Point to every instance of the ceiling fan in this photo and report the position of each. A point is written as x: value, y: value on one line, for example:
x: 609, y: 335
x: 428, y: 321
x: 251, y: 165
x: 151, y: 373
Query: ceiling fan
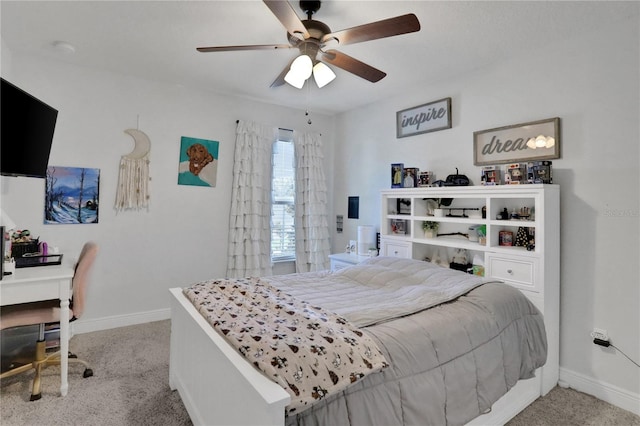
x: 312, y: 37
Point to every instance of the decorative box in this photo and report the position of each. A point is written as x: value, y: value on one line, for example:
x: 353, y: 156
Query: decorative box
x: 505, y: 238
x: 20, y: 249
x: 539, y: 172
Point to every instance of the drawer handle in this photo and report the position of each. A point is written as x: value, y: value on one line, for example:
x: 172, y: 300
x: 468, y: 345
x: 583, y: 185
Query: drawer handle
x: 395, y: 252
x: 510, y: 271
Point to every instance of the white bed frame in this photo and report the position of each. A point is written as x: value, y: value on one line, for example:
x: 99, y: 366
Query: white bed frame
x: 219, y: 387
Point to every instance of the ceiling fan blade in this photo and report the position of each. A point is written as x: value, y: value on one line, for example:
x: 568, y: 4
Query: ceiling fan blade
x: 353, y: 65
x: 288, y: 17
x: 279, y: 81
x: 246, y: 47
x: 380, y: 29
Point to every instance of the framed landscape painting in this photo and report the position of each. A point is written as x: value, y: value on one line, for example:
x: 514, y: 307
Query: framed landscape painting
x: 72, y: 195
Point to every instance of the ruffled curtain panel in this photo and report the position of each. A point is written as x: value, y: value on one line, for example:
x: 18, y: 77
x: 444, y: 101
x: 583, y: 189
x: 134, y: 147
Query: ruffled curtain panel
x: 249, y: 252
x: 311, y: 223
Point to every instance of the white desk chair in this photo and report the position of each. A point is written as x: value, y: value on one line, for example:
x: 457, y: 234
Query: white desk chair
x: 48, y: 312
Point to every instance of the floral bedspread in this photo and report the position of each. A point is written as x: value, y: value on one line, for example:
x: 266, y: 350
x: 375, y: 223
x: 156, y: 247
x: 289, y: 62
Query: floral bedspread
x: 310, y: 352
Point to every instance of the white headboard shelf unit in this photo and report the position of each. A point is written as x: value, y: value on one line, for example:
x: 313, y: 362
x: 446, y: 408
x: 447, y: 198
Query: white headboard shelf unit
x: 534, y: 270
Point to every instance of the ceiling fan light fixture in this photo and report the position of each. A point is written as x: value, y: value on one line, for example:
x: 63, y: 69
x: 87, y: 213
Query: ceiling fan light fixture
x: 294, y: 79
x: 300, y: 71
x: 311, y: 38
x: 322, y: 74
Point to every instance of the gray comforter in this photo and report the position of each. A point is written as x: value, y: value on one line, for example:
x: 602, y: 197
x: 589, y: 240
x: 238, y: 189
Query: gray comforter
x: 448, y: 364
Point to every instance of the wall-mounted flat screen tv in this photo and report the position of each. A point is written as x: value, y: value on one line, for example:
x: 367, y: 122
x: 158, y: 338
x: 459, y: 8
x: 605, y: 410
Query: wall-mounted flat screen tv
x: 26, y: 127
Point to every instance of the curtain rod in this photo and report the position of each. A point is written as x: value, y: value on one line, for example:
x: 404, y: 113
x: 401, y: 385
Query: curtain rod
x: 280, y: 128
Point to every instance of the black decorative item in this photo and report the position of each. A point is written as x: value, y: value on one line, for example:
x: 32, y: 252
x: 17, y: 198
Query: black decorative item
x: 503, y: 215
x: 522, y: 237
x: 457, y: 180
x: 453, y: 180
x: 354, y: 208
x: 404, y: 205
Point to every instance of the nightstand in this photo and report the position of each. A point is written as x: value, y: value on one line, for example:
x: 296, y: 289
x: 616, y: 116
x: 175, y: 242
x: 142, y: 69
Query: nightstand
x: 342, y: 260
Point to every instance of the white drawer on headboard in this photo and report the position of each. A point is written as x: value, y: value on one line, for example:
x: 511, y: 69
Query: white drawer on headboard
x: 395, y: 248
x: 518, y: 271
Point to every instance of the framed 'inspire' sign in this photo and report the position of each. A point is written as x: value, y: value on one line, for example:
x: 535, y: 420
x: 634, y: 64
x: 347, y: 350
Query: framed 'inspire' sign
x: 424, y: 118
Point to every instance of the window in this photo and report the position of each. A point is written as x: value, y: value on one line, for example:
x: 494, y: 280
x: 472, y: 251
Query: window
x: 283, y: 234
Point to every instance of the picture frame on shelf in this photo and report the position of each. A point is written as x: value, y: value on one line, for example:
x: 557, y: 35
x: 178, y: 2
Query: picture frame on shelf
x: 397, y: 175
x: 410, y: 179
x: 424, y: 178
x: 490, y: 175
x: 404, y: 206
x: 398, y: 226
x: 515, y: 174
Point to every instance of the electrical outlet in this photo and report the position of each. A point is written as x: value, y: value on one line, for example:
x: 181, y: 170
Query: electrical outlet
x: 600, y: 334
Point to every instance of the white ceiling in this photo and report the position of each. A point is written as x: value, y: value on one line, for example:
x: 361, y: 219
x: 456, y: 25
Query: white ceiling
x: 158, y: 39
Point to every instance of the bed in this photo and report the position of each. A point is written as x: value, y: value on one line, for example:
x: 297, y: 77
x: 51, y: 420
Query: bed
x: 465, y: 352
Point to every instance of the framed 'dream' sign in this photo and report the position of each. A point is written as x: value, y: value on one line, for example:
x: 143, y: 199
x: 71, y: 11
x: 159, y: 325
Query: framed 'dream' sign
x: 511, y: 144
x: 424, y: 118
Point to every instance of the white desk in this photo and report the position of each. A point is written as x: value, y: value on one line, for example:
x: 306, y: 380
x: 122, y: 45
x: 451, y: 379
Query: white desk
x: 43, y: 283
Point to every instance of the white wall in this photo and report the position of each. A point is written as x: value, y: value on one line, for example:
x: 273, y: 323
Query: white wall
x: 182, y: 238
x: 590, y: 83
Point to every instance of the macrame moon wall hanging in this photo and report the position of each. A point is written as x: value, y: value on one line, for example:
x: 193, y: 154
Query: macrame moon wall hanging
x: 133, y: 179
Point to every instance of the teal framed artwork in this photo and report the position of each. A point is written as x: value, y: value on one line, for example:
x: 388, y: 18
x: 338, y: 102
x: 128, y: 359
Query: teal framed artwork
x: 198, y: 162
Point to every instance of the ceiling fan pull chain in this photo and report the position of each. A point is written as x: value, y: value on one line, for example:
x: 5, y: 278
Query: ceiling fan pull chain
x: 306, y: 113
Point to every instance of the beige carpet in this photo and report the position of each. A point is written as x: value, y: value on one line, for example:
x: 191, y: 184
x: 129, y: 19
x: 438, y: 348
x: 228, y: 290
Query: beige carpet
x: 130, y: 387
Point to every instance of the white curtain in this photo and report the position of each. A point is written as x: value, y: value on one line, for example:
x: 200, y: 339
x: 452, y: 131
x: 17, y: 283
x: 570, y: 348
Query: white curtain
x: 311, y: 223
x: 249, y: 252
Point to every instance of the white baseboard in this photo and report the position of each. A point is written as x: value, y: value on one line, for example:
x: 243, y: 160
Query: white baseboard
x: 607, y: 392
x: 107, y: 323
